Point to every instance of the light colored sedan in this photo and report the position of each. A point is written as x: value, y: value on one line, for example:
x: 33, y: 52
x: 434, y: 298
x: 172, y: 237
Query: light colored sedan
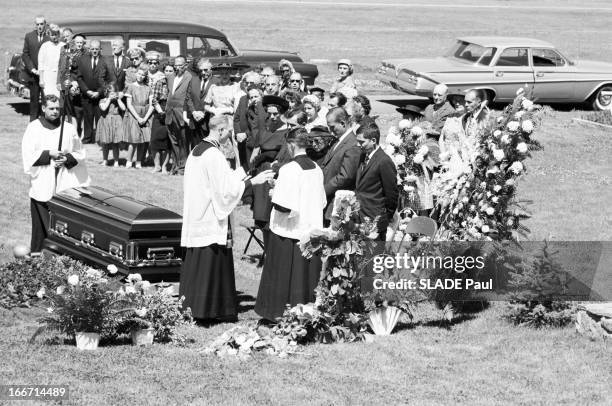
x: 501, y: 65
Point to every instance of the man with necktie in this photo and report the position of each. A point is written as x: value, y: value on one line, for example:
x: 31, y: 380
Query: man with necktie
x: 31, y: 45
x: 92, y: 72
x: 117, y: 63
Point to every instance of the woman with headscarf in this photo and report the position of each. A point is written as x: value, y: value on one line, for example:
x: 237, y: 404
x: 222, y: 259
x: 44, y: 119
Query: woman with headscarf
x: 222, y: 99
x: 298, y: 200
x: 345, y: 77
x: 286, y: 69
x: 311, y: 105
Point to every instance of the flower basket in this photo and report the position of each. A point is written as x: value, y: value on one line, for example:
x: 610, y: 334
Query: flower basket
x: 383, y: 320
x: 142, y: 337
x: 87, y: 341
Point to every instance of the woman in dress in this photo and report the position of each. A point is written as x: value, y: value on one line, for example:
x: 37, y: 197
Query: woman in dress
x: 160, y: 142
x: 136, y: 56
x: 222, y: 99
x: 109, y: 133
x: 137, y: 124
x: 345, y: 76
x: 298, y: 200
x: 48, y: 61
x: 155, y: 74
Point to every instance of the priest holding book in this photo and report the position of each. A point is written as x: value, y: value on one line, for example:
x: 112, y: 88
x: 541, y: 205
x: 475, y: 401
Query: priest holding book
x: 211, y: 191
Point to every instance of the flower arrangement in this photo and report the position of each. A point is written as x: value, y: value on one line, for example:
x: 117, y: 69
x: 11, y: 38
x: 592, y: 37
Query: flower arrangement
x: 477, y: 188
x: 86, y: 303
x: 147, y: 307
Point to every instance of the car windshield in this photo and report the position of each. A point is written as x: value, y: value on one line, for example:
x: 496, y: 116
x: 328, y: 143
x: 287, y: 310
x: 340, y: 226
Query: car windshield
x: 473, y: 53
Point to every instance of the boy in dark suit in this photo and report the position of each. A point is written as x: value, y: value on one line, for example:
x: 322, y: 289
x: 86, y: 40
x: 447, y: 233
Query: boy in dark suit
x: 376, y: 188
x: 31, y: 44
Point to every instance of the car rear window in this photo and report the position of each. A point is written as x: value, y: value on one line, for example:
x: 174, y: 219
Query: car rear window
x: 473, y: 53
x: 199, y: 46
x: 166, y: 45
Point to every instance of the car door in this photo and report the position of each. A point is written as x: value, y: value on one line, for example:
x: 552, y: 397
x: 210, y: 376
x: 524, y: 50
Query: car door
x: 553, y: 76
x: 511, y: 71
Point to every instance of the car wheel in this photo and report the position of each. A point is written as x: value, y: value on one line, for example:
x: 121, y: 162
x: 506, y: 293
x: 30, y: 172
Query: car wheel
x: 602, y: 100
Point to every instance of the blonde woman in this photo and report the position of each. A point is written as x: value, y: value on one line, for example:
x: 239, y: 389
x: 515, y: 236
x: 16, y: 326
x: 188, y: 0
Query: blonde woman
x: 345, y: 76
x: 48, y: 61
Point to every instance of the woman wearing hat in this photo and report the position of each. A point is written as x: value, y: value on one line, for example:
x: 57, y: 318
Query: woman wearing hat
x: 312, y: 107
x: 345, y: 77
x: 222, y: 99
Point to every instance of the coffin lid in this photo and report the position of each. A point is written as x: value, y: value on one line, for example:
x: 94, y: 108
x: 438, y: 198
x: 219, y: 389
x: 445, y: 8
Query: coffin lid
x: 120, y: 207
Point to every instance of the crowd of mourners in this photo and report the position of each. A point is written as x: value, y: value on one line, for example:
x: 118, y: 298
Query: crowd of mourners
x: 206, y: 122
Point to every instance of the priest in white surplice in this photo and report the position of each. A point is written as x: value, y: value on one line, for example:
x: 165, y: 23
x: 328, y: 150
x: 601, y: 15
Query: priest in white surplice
x: 298, y: 201
x: 211, y: 191
x: 51, y: 169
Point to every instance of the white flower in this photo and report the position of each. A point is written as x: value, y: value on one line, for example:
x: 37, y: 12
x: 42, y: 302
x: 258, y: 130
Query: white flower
x: 485, y: 228
x: 416, y: 131
x: 73, y: 280
x: 521, y: 147
x: 489, y: 194
x: 146, y: 285
x: 49, y: 310
x: 463, y: 224
x: 418, y: 159
x: 467, y: 184
x: 519, y: 114
x: 423, y: 150
x: 399, y: 159
x: 93, y: 273
x: 388, y: 149
x: 465, y: 199
x: 60, y: 290
x: 134, y: 277
x: 497, y: 133
x: 527, y: 126
x: 499, y: 120
x: 455, y: 210
x: 483, y: 184
x: 497, y: 188
x: 505, y: 139
x: 490, y: 211
x: 516, y: 167
x: 527, y: 104
x: 404, y: 124
x: 445, y: 156
x: 112, y: 269
x: 495, y: 199
x: 393, y: 138
x: 492, y: 171
x: 498, y: 154
x: 130, y: 289
x: 408, y: 188
x: 41, y: 293
x: 513, y: 125
x: 510, y: 222
x: 510, y: 182
x: 141, y: 312
x: 473, y: 207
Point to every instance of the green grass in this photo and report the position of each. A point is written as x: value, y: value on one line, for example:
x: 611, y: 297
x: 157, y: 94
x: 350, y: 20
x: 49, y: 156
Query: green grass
x: 481, y: 360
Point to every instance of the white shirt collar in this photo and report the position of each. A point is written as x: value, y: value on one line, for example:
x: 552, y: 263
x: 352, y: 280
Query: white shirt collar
x: 371, y: 154
x: 343, y: 136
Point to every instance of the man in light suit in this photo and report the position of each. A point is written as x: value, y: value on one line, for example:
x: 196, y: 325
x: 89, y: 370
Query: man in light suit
x: 117, y: 63
x: 92, y: 72
x: 178, y: 84
x: 342, y: 160
x: 31, y: 44
x: 193, y: 110
x: 376, y: 187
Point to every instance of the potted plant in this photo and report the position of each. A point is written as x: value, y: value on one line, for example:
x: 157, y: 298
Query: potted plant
x: 150, y: 313
x: 84, y: 308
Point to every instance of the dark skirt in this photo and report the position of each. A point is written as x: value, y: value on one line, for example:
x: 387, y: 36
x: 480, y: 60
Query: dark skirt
x: 159, y: 134
x: 208, y: 284
x: 287, y: 277
x: 262, y: 202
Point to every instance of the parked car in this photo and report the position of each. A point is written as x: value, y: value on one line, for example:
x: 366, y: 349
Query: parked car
x: 501, y: 65
x: 170, y: 39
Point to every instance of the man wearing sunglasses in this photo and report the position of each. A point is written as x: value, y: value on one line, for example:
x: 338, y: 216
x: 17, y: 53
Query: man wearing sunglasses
x: 117, y: 63
x: 32, y: 42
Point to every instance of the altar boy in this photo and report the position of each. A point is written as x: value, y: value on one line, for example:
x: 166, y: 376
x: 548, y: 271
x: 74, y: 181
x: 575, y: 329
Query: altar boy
x: 51, y: 168
x: 211, y: 191
x: 298, y: 201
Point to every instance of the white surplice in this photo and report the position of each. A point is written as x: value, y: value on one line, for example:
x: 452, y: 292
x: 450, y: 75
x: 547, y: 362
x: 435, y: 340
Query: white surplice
x: 302, y: 192
x: 211, y: 191
x: 36, y: 140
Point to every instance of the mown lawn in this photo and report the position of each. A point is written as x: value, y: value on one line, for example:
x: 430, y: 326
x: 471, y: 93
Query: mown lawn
x: 478, y: 360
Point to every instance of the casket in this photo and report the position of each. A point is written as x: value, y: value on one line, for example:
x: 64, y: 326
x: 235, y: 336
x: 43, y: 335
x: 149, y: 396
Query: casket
x: 102, y: 228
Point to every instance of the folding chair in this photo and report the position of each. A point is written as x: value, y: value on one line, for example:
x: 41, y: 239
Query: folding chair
x: 252, y: 229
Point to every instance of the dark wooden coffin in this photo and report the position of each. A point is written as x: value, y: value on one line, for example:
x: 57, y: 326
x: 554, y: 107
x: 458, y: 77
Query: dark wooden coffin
x: 99, y: 227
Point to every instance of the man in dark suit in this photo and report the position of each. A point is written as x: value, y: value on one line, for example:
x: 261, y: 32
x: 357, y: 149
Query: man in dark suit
x: 193, y: 110
x: 342, y: 160
x: 178, y: 83
x: 241, y: 119
x: 117, y: 63
x: 376, y: 188
x: 31, y: 44
x: 92, y: 72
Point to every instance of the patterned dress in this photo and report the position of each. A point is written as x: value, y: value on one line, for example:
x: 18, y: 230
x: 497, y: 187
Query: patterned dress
x: 134, y: 132
x: 110, y: 125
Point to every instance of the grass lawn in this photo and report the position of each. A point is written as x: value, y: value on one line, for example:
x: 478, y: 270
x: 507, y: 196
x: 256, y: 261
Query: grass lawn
x: 478, y: 360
